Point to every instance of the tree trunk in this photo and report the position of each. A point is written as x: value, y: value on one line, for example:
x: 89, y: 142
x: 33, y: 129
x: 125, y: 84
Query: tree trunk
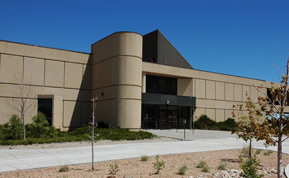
x: 23, y: 121
x: 250, y: 148
x: 92, y: 136
x: 279, y: 160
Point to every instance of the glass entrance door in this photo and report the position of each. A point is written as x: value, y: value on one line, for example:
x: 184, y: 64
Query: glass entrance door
x: 165, y: 117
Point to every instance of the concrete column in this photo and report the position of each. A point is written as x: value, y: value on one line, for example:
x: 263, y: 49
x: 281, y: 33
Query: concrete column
x: 117, y: 79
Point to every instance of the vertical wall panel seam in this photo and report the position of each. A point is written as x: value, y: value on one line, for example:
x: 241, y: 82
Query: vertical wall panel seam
x: 22, y: 77
x: 64, y: 66
x: 205, y: 89
x: 81, y: 115
x: 62, y: 114
x: 44, y: 72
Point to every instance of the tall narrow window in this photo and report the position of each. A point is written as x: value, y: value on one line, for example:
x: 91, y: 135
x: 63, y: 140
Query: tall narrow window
x: 45, y: 106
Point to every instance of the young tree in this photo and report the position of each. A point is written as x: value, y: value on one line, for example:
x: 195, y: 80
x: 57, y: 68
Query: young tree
x: 21, y: 101
x: 274, y: 125
x: 248, y: 124
x: 92, y: 132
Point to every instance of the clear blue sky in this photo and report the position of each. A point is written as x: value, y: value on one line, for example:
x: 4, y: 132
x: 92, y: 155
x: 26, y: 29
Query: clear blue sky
x: 239, y: 37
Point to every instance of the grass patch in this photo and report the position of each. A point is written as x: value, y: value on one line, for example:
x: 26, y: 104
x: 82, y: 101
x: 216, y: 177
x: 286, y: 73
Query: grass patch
x: 222, y: 165
x: 182, y: 170
x: 202, y: 163
x: 63, y: 169
x: 206, y: 168
x: 268, y: 152
x: 113, y: 169
x: 144, y: 158
x: 258, y: 151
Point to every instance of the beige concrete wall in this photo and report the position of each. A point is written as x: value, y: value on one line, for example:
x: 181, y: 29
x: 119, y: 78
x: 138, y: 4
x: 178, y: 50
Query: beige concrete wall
x: 215, y: 93
x: 210, y: 89
x: 220, y: 90
x: 117, y: 79
x: 185, y: 87
x: 49, y: 73
x: 200, y: 88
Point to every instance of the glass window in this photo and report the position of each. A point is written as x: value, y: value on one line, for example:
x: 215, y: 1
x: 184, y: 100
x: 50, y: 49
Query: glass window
x: 162, y: 85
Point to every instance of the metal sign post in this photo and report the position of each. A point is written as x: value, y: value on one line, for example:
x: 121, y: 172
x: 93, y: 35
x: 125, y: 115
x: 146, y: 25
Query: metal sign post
x: 184, y: 122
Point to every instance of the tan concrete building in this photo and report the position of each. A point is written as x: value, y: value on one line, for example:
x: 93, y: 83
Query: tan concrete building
x: 140, y: 82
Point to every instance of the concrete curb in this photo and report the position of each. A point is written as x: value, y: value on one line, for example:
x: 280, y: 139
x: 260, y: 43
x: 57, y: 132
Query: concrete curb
x: 286, y: 171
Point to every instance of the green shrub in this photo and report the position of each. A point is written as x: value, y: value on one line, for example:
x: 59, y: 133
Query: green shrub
x: 144, y: 158
x: 182, y: 170
x: 113, y: 169
x: 121, y: 134
x: 202, y: 163
x: 222, y: 165
x: 227, y: 125
x: 249, y: 167
x: 2, y: 132
x: 63, y: 169
x: 205, y: 169
x: 53, y: 135
x: 39, y: 127
x: 159, y: 165
x: 268, y: 152
x: 258, y: 151
x: 204, y: 122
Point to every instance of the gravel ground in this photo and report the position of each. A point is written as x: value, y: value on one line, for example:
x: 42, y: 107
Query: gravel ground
x: 135, y: 168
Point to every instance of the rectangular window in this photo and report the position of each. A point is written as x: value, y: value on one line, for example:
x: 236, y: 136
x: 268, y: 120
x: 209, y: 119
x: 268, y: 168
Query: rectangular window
x: 162, y: 85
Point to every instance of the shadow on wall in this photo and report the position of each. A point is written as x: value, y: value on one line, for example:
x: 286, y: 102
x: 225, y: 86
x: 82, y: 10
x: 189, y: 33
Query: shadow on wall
x: 82, y: 107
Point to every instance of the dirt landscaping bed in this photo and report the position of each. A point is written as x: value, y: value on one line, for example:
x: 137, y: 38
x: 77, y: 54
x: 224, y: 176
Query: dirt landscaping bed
x: 135, y: 168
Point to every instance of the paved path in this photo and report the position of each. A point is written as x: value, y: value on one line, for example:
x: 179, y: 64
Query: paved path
x: 18, y: 159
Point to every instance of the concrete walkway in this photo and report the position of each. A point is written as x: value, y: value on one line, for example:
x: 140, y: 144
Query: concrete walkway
x: 18, y: 159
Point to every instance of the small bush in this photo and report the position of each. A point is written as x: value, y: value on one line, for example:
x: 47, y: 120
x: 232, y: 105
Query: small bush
x: 227, y: 125
x: 205, y: 169
x: 222, y: 165
x: 39, y: 127
x: 258, y: 151
x: 182, y: 170
x: 113, y: 169
x: 249, y: 167
x: 15, y: 130
x: 268, y: 152
x: 63, y: 169
x: 144, y: 158
x: 202, y: 164
x: 204, y: 122
x: 159, y: 165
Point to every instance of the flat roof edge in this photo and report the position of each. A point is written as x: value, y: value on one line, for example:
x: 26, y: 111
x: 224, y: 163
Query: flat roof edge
x: 114, y: 34
x: 44, y: 47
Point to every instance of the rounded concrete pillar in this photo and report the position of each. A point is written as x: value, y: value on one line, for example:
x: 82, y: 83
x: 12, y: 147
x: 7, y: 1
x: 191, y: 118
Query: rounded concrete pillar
x: 117, y: 73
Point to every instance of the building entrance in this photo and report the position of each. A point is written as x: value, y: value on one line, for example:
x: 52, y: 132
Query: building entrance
x: 165, y: 117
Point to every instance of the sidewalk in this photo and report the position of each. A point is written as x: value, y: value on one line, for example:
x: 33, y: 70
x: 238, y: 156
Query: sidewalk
x: 18, y: 159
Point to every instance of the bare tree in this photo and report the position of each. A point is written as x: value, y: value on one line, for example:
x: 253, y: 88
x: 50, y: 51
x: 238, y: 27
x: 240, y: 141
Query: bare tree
x: 21, y: 100
x: 92, y: 132
x: 274, y: 129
